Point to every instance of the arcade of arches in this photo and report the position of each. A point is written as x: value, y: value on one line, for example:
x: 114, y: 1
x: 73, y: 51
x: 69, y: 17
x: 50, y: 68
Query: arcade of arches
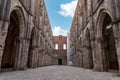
x: 97, y: 44
x: 25, y: 36
x: 11, y: 42
x: 26, y: 39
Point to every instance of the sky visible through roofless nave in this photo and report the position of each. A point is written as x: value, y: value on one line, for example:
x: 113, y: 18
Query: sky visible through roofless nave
x: 60, y: 13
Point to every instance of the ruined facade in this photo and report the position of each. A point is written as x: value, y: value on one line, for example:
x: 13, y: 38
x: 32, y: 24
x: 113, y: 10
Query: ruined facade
x: 60, y: 50
x: 95, y: 35
x: 25, y: 34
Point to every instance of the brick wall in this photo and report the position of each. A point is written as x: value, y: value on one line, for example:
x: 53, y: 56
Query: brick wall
x: 60, y: 53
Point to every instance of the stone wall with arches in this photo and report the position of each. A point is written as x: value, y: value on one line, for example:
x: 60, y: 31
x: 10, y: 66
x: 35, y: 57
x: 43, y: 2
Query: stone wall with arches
x: 98, y: 37
x: 25, y: 39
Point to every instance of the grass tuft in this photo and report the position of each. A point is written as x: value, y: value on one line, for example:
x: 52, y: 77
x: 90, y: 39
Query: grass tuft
x: 117, y: 75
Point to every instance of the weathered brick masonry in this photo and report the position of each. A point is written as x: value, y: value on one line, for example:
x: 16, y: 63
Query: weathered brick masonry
x: 60, y: 51
x: 25, y: 34
x: 94, y: 35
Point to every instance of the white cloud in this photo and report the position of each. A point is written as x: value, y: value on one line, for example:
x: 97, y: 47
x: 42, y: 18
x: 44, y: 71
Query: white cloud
x: 58, y: 31
x: 68, y: 9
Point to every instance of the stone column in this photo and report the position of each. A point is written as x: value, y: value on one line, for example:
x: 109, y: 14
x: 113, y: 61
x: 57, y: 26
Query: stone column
x: 39, y: 52
x: 117, y: 41
x: 18, y: 55
x: 92, y: 34
x: 115, y: 10
x: 21, y: 55
x: 3, y: 34
x: 24, y: 54
x: 2, y: 11
x: 117, y: 6
x: 98, y: 63
x: 43, y: 47
x: 32, y: 7
x: 40, y: 59
x: 68, y: 49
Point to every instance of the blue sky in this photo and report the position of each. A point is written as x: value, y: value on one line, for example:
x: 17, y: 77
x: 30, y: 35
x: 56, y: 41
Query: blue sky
x: 60, y: 13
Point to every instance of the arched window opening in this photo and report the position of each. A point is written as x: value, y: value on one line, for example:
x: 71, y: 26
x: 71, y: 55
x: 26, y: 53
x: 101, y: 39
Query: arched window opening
x: 64, y: 46
x: 56, y: 46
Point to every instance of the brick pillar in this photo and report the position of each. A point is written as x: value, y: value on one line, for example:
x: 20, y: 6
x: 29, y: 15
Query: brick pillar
x: 3, y: 34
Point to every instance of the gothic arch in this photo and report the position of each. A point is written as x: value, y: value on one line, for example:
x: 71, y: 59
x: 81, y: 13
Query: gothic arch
x: 32, y: 49
x: 13, y: 44
x: 22, y: 19
x: 100, y: 18
x: 106, y: 42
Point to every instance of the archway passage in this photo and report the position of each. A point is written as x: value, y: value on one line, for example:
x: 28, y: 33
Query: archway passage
x: 60, y: 61
x: 11, y: 42
x: 109, y: 47
x: 89, y: 49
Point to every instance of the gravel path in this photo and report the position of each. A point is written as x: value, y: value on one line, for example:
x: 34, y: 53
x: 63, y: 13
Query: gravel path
x: 57, y: 73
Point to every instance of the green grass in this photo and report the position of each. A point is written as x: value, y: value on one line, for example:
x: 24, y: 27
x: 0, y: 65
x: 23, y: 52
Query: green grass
x: 117, y: 75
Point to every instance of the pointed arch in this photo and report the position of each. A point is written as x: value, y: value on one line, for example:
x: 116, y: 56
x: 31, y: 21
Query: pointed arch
x: 106, y: 42
x: 13, y: 44
x: 32, y: 49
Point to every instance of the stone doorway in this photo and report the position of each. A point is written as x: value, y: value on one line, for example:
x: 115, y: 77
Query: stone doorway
x: 11, y: 42
x: 60, y: 61
x: 108, y: 44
